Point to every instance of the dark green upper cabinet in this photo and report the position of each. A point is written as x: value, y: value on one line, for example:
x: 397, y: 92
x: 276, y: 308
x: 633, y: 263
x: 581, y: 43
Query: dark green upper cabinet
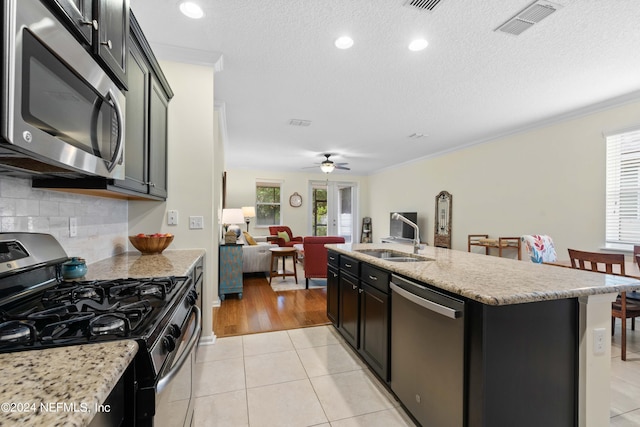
x: 159, y: 108
x: 79, y: 16
x: 110, y: 40
x: 146, y: 121
x: 137, y: 122
x: 103, y: 26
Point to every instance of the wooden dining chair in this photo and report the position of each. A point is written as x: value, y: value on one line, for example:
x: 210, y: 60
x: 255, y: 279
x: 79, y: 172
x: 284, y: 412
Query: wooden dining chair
x: 607, y: 263
x: 636, y: 252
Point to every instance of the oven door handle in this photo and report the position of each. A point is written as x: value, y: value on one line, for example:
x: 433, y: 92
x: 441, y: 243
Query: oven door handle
x: 166, y: 378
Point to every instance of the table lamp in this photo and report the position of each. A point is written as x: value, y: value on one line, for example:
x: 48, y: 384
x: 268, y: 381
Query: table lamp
x: 248, y: 212
x: 232, y: 217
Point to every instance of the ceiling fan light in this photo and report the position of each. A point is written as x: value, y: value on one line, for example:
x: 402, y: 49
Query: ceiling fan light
x: 327, y: 167
x: 191, y: 10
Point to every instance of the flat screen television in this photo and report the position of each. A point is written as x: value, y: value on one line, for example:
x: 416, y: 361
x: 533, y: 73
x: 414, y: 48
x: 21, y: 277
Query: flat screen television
x: 399, y: 229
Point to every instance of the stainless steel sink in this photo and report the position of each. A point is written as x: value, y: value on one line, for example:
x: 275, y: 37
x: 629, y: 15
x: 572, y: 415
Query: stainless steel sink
x: 405, y: 259
x: 394, y: 256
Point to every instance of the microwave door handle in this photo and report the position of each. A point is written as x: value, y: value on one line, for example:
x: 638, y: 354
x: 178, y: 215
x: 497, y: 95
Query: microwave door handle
x: 193, y: 340
x: 120, y: 144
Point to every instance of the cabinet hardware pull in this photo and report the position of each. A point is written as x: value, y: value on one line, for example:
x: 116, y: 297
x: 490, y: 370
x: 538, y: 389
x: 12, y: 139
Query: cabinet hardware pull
x: 360, y: 291
x: 373, y: 277
x: 93, y: 23
x: 354, y: 286
x: 348, y: 265
x: 107, y: 44
x: 334, y: 275
x: 332, y: 258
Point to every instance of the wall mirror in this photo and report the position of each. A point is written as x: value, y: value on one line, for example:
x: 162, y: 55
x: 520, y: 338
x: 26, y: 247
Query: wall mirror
x: 442, y: 220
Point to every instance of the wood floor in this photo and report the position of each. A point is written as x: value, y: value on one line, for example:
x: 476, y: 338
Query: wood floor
x: 263, y: 310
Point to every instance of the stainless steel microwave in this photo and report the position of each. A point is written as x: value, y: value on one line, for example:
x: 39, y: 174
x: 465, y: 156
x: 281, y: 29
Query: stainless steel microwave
x: 60, y: 110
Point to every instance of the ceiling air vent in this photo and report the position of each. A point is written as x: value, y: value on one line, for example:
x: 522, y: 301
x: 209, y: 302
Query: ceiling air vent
x: 528, y: 16
x: 427, y: 5
x: 298, y: 122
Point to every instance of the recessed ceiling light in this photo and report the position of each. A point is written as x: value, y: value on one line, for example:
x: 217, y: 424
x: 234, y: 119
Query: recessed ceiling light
x: 191, y: 10
x: 418, y: 44
x: 344, y: 42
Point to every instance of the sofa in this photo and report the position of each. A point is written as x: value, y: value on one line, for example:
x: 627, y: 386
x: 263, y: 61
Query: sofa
x: 256, y: 258
x: 315, y: 256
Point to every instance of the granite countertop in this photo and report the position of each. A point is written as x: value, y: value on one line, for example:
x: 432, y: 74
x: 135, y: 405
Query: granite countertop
x: 176, y: 262
x: 492, y: 280
x: 60, y: 386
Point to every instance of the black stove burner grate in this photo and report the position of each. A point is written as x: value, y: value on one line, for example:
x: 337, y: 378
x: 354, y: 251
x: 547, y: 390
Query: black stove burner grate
x: 72, y: 312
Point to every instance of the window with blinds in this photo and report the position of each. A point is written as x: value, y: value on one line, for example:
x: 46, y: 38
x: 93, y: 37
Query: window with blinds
x: 268, y: 203
x: 623, y: 190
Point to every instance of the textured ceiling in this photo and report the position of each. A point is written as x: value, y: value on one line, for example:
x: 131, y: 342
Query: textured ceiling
x: 470, y: 85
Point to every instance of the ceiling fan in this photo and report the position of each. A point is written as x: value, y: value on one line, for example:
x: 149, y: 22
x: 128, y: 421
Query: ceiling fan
x: 327, y: 166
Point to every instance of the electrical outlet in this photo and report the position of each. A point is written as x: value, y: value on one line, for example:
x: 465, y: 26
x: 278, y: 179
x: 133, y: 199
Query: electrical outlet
x: 172, y: 217
x: 73, y: 227
x: 599, y: 343
x: 196, y: 222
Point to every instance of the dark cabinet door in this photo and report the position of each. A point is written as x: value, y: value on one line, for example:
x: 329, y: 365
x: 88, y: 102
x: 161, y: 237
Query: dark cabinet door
x: 349, y: 305
x: 333, y: 294
x: 136, y: 123
x: 110, y: 40
x: 158, y: 109
x: 79, y: 14
x: 374, y: 329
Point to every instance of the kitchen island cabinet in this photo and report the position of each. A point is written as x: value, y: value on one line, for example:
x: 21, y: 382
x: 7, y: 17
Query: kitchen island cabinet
x: 364, y: 309
x: 528, y: 341
x: 333, y: 288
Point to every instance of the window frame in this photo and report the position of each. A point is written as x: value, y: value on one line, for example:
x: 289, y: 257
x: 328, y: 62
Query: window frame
x: 622, y: 189
x: 278, y: 204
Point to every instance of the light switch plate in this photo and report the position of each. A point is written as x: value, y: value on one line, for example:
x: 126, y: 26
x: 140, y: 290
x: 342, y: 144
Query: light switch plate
x: 172, y: 217
x: 196, y: 222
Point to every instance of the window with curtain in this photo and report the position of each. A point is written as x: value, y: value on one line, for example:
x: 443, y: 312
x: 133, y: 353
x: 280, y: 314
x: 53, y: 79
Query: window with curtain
x: 267, y: 203
x: 623, y: 189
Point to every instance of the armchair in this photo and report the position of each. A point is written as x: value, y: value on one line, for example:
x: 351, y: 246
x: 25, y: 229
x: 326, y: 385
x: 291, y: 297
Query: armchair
x: 273, y: 230
x: 315, y: 256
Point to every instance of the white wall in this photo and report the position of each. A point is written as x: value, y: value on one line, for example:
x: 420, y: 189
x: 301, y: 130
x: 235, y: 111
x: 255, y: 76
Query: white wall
x: 194, y: 160
x: 102, y: 222
x: 549, y: 180
x: 241, y: 191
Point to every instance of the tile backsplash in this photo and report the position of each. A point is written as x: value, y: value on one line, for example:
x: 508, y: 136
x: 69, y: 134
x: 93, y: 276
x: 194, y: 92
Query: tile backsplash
x: 102, y: 222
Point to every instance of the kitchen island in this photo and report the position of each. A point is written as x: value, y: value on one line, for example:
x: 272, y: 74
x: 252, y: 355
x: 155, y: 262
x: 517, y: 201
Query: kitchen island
x: 61, y: 386
x: 528, y: 330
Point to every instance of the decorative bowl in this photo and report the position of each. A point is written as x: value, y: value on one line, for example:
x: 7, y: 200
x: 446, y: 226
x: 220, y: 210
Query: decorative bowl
x: 75, y: 268
x: 151, y: 244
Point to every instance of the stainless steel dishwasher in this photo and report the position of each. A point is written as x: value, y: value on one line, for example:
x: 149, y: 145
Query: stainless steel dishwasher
x: 427, y: 353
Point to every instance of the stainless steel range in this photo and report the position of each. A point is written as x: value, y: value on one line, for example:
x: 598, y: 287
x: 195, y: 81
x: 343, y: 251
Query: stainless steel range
x: 38, y: 309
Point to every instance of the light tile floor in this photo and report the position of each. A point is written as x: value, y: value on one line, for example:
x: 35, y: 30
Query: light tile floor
x: 311, y: 377
x: 625, y: 379
x: 299, y: 377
